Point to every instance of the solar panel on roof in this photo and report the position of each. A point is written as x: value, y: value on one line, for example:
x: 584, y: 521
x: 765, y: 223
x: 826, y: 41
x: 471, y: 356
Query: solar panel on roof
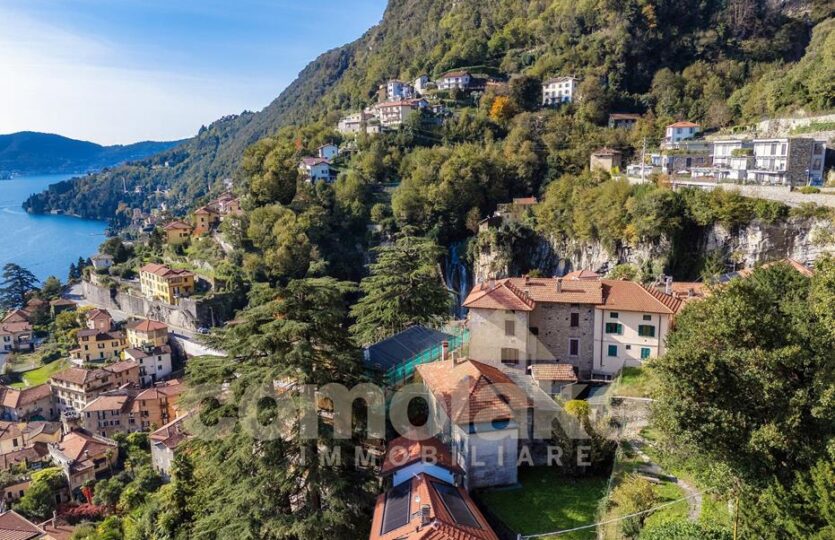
x: 455, y: 505
x: 396, y: 510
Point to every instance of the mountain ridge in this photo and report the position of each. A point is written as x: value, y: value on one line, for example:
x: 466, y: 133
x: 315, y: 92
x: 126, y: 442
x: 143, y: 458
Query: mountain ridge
x: 33, y: 152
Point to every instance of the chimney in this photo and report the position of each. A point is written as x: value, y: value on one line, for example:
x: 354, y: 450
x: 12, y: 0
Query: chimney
x: 444, y: 349
x: 559, y: 284
x: 668, y: 285
x: 424, y: 515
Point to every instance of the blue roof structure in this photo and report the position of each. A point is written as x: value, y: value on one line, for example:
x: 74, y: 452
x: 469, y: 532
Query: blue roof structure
x: 404, y: 346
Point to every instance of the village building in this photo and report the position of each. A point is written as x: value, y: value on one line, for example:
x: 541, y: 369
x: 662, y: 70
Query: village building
x: 456, y: 79
x: 60, y: 305
x: 154, y: 362
x: 101, y: 261
x: 554, y: 379
x: 476, y: 408
x: 33, y: 402
x: 327, y: 151
x: 164, y: 444
x: 84, y: 457
x: 394, y: 113
x: 395, y: 90
x: 145, y: 332
x: 606, y: 159
x: 227, y: 205
x: 793, y: 161
x: 732, y: 159
x: 177, y: 232
x: 99, y: 319
x: 31, y: 458
x: 421, y: 84
x: 159, y: 282
x: 315, y: 169
x: 354, y: 123
x: 559, y: 90
x: 623, y: 120
x: 205, y: 218
x: 16, y: 336
x: 681, y: 131
x: 13, y: 526
x: 73, y: 388
x: 426, y: 498
x: 98, y: 346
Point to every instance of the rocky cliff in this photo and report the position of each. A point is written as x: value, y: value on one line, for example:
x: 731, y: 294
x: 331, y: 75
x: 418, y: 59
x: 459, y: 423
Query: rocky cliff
x: 801, y: 239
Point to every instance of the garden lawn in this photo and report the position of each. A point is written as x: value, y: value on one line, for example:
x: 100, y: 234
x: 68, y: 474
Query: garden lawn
x: 635, y: 382
x: 547, y: 502
x: 41, y: 374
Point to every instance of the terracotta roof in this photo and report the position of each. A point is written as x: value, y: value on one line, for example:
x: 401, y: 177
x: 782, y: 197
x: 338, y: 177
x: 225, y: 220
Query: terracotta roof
x: 685, y: 290
x: 14, y: 398
x: 522, y: 294
x: 683, y: 124
x: 524, y: 201
x: 9, y: 430
x: 171, y: 388
x: 560, y: 79
x: 99, y: 335
x: 455, y: 73
x: 444, y: 524
x: 36, y: 452
x: 452, y: 382
x: 623, y: 295
x: 33, y: 429
x: 76, y: 445
x: 63, y: 302
x: 106, y: 402
x: 313, y: 161
x: 136, y: 353
x: 77, y: 375
x: 94, y: 314
x: 17, y: 315
x: 205, y: 210
x: 13, y: 526
x: 582, y: 274
x: 15, y: 327
x: 606, y: 152
x: 177, y: 224
x: 146, y: 326
x: 119, y: 367
x: 404, y: 451
x: 163, y: 271
x: 797, y: 265
x: 554, y: 372
x: 171, y: 434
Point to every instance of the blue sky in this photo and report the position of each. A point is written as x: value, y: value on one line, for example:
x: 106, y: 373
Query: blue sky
x: 120, y: 71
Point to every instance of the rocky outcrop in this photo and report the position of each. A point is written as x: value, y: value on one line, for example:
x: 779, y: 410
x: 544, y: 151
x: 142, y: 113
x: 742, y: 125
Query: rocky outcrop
x: 805, y: 240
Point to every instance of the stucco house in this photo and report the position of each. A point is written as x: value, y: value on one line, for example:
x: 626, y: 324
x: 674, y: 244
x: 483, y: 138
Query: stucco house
x: 315, y: 169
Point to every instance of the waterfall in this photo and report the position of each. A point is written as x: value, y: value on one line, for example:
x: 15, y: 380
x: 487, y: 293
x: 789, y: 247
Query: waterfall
x: 457, y: 278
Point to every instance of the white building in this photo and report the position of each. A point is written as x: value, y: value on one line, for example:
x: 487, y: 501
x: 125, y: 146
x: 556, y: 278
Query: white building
x: 154, y: 363
x: 454, y: 79
x: 101, y: 261
x: 421, y: 85
x: 559, y: 90
x: 315, y: 169
x: 680, y: 131
x: 732, y: 159
x: 398, y: 90
x: 788, y: 161
x: 328, y: 151
x: 352, y: 123
x: 393, y: 113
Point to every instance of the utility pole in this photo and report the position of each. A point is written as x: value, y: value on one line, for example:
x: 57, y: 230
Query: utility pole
x: 643, y: 159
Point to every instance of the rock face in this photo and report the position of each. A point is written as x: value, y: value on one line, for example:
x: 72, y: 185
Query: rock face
x: 804, y: 240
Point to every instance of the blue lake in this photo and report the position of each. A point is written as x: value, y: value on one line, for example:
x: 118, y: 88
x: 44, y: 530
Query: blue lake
x: 46, y: 245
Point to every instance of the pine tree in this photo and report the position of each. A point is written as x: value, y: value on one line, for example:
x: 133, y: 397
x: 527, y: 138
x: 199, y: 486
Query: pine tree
x: 17, y: 282
x: 404, y: 288
x: 252, y: 488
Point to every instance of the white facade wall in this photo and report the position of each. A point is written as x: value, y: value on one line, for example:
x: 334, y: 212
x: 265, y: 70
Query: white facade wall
x: 629, y: 348
x: 488, y: 335
x: 558, y: 91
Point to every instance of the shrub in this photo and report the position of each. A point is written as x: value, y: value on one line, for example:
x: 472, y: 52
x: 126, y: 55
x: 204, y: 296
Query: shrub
x: 82, y: 512
x: 809, y: 190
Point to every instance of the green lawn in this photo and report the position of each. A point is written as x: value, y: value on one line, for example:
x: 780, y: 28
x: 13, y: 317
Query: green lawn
x: 548, y: 502
x: 668, y: 492
x: 635, y: 382
x: 40, y: 375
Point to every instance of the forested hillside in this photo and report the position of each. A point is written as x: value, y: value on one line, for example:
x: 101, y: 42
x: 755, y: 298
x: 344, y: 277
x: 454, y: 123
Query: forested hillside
x: 710, y: 61
x: 29, y: 153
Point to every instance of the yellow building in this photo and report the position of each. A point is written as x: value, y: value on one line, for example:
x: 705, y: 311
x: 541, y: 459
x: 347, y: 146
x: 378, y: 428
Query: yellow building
x: 158, y: 282
x: 177, y: 232
x: 204, y: 219
x: 97, y: 346
x: 146, y: 333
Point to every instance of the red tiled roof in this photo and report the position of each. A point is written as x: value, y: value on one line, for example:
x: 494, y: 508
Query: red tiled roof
x: 582, y: 274
x: 98, y: 314
x: 621, y: 295
x: 14, y: 398
x: 522, y: 294
x: 683, y: 124
x: 15, y: 327
x: 17, y: 315
x: 442, y: 525
x: 119, y: 367
x: 146, y: 326
x: 13, y: 526
x: 172, y: 433
x: 451, y: 382
x: 797, y: 265
x: 455, y: 73
x: 77, y: 444
x: 313, y: 161
x: 76, y: 375
x: 404, y: 451
x: 554, y: 372
x: 163, y: 271
x: 177, y: 224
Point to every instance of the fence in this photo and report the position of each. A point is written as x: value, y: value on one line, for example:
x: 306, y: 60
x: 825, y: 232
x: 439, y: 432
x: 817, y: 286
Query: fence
x: 404, y: 371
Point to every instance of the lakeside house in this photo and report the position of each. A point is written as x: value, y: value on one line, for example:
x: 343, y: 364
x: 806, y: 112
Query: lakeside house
x: 159, y: 282
x: 73, y: 388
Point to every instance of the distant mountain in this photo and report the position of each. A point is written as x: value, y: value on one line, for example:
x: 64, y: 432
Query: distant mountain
x: 30, y: 153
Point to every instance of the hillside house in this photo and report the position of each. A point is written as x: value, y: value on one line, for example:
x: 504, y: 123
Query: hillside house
x: 205, y: 218
x: 327, y: 151
x: 394, y: 113
x: 421, y: 85
x: 623, y: 120
x: 99, y: 319
x: 606, y: 159
x: 84, y: 457
x: 559, y: 90
x: 101, y: 261
x: 154, y: 362
x: 130, y: 409
x: 354, y: 123
x: 732, y: 159
x: 73, y: 388
x: 145, y: 332
x: 159, y: 282
x: 395, y: 90
x: 477, y: 406
x: 793, y: 161
x: 60, y: 305
x: 456, y: 79
x: 16, y: 336
x: 177, y: 232
x: 164, y: 444
x: 681, y: 131
x: 98, y: 346
x: 24, y: 404
x: 314, y: 169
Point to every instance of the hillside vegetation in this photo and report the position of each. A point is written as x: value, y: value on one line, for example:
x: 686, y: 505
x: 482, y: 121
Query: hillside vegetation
x: 710, y: 61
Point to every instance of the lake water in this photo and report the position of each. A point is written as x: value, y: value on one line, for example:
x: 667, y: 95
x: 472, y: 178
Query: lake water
x: 46, y: 245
